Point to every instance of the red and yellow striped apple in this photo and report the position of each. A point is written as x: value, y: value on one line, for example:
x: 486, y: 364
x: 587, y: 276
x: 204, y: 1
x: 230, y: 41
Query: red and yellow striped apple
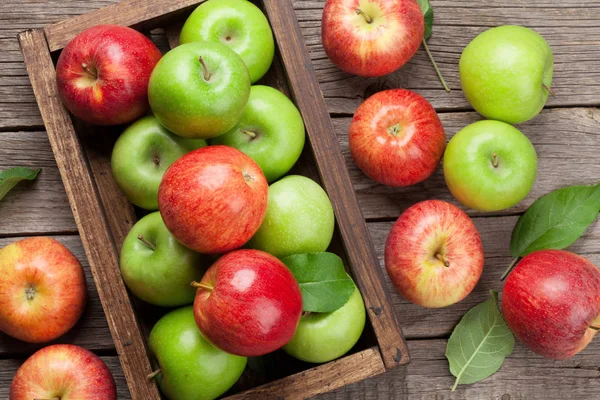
x: 434, y: 254
x: 42, y: 290
x: 371, y: 37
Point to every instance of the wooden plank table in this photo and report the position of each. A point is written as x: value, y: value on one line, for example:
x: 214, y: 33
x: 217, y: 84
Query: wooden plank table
x: 566, y: 136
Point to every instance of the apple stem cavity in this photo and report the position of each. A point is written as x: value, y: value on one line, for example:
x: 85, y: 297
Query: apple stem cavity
x: 201, y: 285
x: 207, y: 74
x: 91, y: 71
x: 54, y: 398
x: 146, y: 242
x: 364, y: 15
x: 154, y: 374
x: 249, y: 133
x: 495, y: 160
x: 435, y: 67
x: 549, y: 89
x: 442, y: 259
x: 510, y: 267
x: 395, y: 129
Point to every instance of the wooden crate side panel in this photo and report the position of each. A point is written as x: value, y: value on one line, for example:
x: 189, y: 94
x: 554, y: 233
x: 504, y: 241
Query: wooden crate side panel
x: 332, y: 169
x: 89, y: 217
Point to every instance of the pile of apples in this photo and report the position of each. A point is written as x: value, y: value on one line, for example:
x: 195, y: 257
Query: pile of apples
x: 207, y: 168
x: 433, y: 254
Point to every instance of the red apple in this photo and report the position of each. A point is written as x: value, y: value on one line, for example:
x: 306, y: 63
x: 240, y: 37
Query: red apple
x: 434, y: 254
x: 102, y: 74
x: 396, y: 138
x: 214, y: 199
x: 371, y: 37
x: 63, y: 372
x: 42, y: 290
x: 551, y: 302
x: 248, y: 303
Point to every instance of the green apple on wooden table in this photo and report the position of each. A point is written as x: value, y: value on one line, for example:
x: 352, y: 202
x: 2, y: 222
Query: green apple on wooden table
x: 141, y: 156
x: 189, y: 367
x: 199, y: 90
x: 271, y: 132
x: 156, y: 267
x: 238, y: 24
x: 490, y: 165
x: 506, y: 73
x: 299, y: 219
x: 322, y: 337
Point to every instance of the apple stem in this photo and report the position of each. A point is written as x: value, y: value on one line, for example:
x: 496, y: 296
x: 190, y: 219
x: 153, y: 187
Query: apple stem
x: 306, y: 313
x: 549, y: 89
x: 89, y: 70
x: 154, y: 374
x: 146, y: 242
x: 495, y: 160
x: 594, y: 327
x: 54, y: 398
x: 201, y: 285
x: 435, y: 67
x: 364, y: 15
x: 247, y: 132
x: 442, y: 259
x: 207, y: 74
x: 510, y: 267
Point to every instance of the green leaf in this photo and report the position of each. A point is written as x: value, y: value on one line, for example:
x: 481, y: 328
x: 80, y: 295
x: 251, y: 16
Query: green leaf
x: 556, y: 220
x: 428, y: 15
x: 10, y: 177
x: 324, y: 283
x: 480, y: 343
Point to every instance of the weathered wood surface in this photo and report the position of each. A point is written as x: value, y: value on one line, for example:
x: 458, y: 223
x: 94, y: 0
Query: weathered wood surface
x: 569, y: 26
x: 567, y: 142
x: 524, y: 376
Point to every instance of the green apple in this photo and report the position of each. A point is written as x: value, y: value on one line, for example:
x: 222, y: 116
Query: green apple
x: 490, y: 166
x: 322, y: 337
x: 156, y: 267
x: 141, y: 156
x: 506, y: 73
x: 199, y: 90
x: 238, y: 24
x: 271, y: 132
x: 299, y: 219
x: 190, y: 367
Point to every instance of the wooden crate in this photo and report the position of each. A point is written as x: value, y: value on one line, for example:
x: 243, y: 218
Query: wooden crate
x: 104, y: 217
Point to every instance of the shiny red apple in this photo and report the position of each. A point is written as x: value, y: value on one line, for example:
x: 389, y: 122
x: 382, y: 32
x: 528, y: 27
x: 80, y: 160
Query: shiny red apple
x: 396, y: 138
x: 434, y: 254
x: 63, y: 372
x: 551, y: 302
x: 371, y: 37
x: 42, y: 290
x: 102, y: 74
x: 214, y: 199
x: 248, y: 303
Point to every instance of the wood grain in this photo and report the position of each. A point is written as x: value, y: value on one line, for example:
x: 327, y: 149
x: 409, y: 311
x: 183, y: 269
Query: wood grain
x: 321, y: 379
x: 89, y: 217
x: 336, y: 181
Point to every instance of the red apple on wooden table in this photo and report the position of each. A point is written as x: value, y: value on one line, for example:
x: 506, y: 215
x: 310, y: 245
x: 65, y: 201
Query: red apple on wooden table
x: 42, y: 290
x: 396, y: 138
x: 102, y: 74
x: 551, y: 302
x: 248, y: 303
x: 371, y: 37
x: 213, y: 200
x: 434, y: 254
x: 63, y: 372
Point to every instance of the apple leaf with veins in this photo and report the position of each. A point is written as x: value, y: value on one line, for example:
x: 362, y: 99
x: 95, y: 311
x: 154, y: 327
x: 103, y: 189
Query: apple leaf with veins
x: 428, y: 16
x: 479, y: 343
x: 323, y: 281
x: 10, y: 177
